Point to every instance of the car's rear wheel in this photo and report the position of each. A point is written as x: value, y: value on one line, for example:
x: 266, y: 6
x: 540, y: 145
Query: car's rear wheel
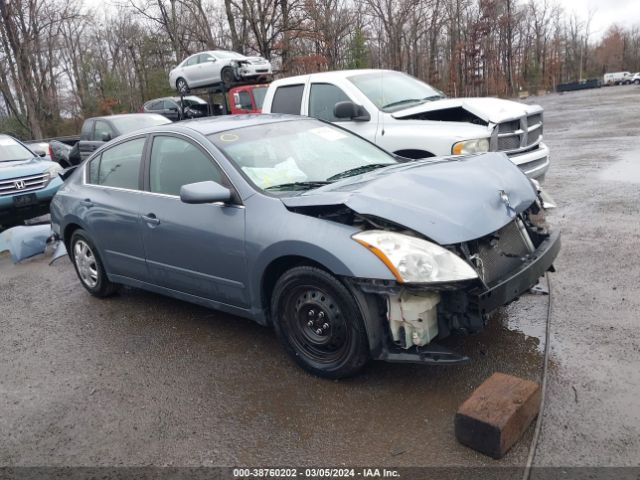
x: 227, y: 76
x: 88, y: 265
x: 319, y: 323
x: 182, y: 86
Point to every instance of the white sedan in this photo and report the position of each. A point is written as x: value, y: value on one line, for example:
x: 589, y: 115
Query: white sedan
x: 215, y: 66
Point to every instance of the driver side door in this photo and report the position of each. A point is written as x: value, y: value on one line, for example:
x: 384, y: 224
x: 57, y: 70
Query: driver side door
x: 195, y: 249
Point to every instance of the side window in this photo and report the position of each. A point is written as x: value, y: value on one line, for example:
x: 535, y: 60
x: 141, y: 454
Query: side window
x: 192, y: 61
x: 169, y: 104
x: 322, y: 99
x: 205, y: 57
x: 176, y: 162
x: 118, y: 166
x: 287, y: 99
x: 102, y: 128
x: 87, y: 130
x: 156, y: 105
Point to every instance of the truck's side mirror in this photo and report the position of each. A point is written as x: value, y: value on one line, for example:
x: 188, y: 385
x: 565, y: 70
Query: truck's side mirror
x: 350, y: 111
x: 106, y: 137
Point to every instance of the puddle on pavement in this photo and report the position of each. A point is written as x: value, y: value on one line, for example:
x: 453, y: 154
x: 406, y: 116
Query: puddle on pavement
x: 625, y: 170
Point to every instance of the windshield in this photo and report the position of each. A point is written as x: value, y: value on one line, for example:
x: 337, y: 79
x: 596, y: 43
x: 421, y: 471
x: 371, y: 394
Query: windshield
x: 136, y: 122
x: 12, y: 151
x: 221, y: 54
x: 298, y: 155
x: 393, y: 91
x: 258, y: 95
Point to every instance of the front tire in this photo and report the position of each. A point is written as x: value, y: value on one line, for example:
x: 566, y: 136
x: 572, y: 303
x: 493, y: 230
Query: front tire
x: 227, y: 76
x: 88, y: 265
x: 319, y: 323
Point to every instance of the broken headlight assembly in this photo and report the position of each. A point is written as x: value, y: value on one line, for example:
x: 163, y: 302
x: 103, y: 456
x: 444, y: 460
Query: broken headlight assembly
x: 467, y: 147
x: 413, y: 260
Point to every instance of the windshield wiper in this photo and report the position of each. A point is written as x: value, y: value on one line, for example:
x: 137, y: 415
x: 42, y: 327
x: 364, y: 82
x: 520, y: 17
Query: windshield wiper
x: 358, y: 170
x: 402, y: 102
x: 297, y: 185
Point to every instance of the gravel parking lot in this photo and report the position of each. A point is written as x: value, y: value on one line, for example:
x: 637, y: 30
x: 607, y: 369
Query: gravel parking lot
x: 140, y: 379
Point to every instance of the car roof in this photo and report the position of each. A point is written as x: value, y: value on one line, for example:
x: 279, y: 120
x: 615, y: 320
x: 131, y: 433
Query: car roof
x: 210, y: 125
x: 123, y: 115
x: 332, y: 75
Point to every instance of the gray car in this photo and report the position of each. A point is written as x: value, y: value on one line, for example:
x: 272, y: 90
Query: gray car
x: 349, y: 252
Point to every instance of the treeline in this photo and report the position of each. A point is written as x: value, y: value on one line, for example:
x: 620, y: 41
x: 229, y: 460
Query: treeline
x: 61, y: 60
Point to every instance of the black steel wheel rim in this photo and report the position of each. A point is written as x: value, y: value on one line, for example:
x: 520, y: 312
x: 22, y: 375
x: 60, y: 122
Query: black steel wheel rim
x: 316, y: 325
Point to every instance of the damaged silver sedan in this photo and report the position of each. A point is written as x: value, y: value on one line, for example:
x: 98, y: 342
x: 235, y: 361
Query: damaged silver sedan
x: 350, y: 253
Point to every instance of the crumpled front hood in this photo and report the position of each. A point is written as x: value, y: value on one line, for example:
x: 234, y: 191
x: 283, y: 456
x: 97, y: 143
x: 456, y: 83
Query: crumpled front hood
x: 21, y: 168
x: 494, y: 110
x: 449, y: 200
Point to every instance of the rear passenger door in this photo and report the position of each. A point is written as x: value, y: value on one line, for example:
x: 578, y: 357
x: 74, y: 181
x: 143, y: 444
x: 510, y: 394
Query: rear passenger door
x: 194, y: 249
x: 110, y: 209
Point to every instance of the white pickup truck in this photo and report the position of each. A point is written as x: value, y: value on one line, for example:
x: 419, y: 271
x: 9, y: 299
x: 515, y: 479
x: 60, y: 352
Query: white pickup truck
x: 412, y: 119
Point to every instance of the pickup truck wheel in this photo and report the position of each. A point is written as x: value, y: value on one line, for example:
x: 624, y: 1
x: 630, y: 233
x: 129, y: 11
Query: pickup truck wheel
x: 227, y: 76
x: 319, y: 323
x: 88, y: 265
x: 181, y: 86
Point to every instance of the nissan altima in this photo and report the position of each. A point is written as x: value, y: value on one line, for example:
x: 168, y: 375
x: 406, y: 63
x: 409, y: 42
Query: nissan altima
x: 350, y: 253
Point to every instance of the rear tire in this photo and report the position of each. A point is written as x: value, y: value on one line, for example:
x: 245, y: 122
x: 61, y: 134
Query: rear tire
x: 182, y: 86
x: 319, y: 323
x: 88, y: 265
x: 227, y: 76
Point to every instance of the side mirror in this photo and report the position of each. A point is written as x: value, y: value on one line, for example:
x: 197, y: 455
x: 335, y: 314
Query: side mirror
x: 39, y: 152
x: 204, y: 192
x: 106, y: 137
x: 351, y: 111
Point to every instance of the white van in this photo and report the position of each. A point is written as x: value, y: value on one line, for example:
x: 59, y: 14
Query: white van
x: 617, y: 78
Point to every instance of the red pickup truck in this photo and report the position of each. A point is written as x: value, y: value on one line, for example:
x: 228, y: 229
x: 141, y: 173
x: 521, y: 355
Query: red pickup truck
x: 246, y: 98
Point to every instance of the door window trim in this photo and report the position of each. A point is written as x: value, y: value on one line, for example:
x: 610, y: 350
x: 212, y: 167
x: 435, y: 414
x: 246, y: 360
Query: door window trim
x: 225, y: 180
x: 102, y: 150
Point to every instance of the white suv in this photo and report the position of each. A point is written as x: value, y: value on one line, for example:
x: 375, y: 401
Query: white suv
x: 412, y: 119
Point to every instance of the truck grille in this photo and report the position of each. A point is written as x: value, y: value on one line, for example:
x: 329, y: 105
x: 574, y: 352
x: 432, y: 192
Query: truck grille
x: 501, y: 252
x: 26, y: 184
x: 519, y: 134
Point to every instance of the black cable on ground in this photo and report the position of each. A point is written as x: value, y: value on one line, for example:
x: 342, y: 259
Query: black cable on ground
x: 543, y: 388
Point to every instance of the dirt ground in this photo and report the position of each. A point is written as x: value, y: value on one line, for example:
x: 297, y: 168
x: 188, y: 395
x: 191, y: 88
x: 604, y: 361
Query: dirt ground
x: 139, y: 379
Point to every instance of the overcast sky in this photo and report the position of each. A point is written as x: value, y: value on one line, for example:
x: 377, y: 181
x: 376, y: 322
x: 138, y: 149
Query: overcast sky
x: 626, y: 13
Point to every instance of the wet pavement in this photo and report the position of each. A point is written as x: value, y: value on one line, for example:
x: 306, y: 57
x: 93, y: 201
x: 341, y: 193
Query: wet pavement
x: 592, y: 412
x: 141, y: 379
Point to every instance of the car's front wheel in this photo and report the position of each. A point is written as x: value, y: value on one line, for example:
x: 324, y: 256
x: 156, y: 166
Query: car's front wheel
x: 88, y: 265
x: 319, y: 322
x: 227, y: 76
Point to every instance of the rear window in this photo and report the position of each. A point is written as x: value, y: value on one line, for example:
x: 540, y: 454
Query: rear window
x: 87, y: 130
x: 287, y: 99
